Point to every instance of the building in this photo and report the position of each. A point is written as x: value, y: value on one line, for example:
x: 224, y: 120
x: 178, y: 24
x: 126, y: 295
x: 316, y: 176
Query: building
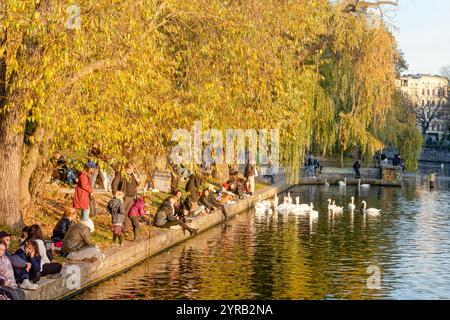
x: 430, y: 95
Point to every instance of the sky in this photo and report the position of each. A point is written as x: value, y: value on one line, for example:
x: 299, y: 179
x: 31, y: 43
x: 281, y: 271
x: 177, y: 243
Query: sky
x: 423, y: 33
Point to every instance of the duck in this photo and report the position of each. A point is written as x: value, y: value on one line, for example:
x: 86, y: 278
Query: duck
x: 337, y: 209
x: 351, y: 205
x: 370, y: 211
x: 365, y: 185
x: 343, y: 183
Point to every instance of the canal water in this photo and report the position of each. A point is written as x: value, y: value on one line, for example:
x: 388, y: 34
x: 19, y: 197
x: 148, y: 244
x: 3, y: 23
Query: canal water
x: 402, y: 254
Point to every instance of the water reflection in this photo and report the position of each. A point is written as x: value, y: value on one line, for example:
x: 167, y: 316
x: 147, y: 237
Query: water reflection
x: 294, y: 257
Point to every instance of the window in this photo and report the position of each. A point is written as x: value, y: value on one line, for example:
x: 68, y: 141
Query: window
x: 404, y: 83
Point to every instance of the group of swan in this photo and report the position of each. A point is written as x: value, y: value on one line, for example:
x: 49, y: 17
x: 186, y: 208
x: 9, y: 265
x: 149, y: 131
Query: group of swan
x: 287, y: 206
x: 344, y: 184
x: 270, y: 206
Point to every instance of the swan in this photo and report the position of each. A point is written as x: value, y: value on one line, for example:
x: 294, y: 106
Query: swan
x: 262, y: 206
x: 337, y: 209
x: 327, y: 184
x: 299, y: 208
x: 363, y: 185
x: 289, y: 199
x: 351, y: 205
x: 343, y: 183
x: 330, y: 206
x: 313, y: 214
x: 275, y: 202
x: 284, y: 207
x: 370, y: 211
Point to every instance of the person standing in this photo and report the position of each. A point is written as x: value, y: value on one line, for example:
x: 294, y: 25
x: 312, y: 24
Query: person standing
x: 83, y: 190
x: 128, y: 184
x: 356, y: 168
x: 250, y: 169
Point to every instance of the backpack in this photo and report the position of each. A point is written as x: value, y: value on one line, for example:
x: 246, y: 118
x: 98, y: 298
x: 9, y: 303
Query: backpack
x: 113, y: 206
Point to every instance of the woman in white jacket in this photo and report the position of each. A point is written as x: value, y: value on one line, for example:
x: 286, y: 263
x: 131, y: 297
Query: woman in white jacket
x: 47, y: 267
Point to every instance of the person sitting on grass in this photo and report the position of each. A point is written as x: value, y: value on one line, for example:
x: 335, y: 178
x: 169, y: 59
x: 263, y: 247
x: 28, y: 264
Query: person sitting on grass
x: 78, y: 243
x: 63, y: 225
x: 47, y: 266
x: 116, y: 208
x: 165, y: 217
x: 28, y: 276
x: 137, y: 214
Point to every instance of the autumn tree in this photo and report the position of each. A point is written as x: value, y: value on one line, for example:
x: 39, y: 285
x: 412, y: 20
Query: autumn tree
x: 133, y: 71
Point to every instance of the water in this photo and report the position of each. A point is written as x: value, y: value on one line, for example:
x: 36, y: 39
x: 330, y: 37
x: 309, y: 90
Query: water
x: 291, y: 257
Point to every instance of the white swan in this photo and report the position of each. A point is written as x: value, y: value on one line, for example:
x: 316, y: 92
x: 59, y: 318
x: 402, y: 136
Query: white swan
x: 313, y: 214
x: 285, y: 207
x: 275, y: 202
x: 351, y: 205
x: 263, y: 206
x: 327, y: 184
x: 299, y: 208
x: 370, y: 211
x: 330, y: 206
x: 365, y: 185
x: 337, y: 209
x: 343, y: 183
x: 289, y: 199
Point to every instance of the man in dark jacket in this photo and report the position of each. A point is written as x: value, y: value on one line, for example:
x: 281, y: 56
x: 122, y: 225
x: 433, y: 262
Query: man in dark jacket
x: 193, y: 186
x: 356, y: 167
x: 165, y: 217
x: 78, y: 243
x: 128, y: 184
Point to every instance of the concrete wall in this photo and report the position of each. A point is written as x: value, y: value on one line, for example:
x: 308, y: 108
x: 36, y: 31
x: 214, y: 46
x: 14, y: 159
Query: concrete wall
x: 79, y: 276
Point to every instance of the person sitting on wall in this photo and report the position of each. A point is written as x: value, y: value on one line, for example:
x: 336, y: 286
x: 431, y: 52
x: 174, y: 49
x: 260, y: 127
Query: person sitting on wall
x: 234, y: 185
x: 78, y: 243
x: 193, y: 208
x: 63, y: 225
x: 204, y: 201
x: 28, y: 277
x: 180, y: 210
x: 47, y: 266
x: 8, y: 284
x: 214, y: 201
x: 165, y: 217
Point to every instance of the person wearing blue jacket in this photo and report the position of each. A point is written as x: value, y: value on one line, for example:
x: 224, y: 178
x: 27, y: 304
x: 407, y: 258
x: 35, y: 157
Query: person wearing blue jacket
x: 28, y: 276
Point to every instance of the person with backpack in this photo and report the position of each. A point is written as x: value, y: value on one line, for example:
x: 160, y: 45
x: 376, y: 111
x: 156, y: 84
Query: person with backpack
x: 127, y: 183
x: 116, y: 208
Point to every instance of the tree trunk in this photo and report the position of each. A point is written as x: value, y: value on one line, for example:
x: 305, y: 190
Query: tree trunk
x: 220, y: 172
x: 11, y: 144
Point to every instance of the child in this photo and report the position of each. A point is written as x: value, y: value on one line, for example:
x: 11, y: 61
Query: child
x: 63, y: 225
x: 116, y: 208
x: 29, y: 253
x: 136, y: 214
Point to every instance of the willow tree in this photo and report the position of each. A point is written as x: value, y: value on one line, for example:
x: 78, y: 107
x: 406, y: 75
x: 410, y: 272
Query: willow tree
x: 136, y: 70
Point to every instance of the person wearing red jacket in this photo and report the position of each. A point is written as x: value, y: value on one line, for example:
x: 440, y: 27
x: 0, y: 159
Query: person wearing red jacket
x: 83, y: 190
